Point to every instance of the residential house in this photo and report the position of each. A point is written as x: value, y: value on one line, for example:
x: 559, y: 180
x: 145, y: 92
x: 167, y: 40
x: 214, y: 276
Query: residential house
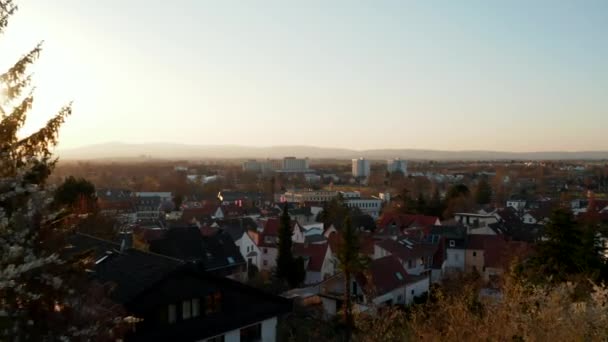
x: 476, y: 246
x: 216, y: 253
x: 303, y: 215
x: 267, y: 237
x: 518, y: 203
x: 318, y: 261
x: 237, y: 229
x: 176, y: 301
x: 476, y: 223
x: 537, y: 216
x: 202, y: 215
x: 415, y: 257
x: 385, y: 283
x: 393, y: 224
x: 452, y: 242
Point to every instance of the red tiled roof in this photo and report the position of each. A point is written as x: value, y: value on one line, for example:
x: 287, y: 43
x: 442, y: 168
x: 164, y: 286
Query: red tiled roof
x: 271, y: 225
x: 384, y: 275
x: 315, y: 253
x: 404, y: 252
x: 189, y: 214
x: 406, y: 220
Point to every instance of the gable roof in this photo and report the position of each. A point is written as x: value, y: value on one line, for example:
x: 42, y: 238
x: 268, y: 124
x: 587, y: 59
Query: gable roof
x: 315, y: 253
x: 407, y: 220
x: 406, y: 250
x: 211, y: 252
x: 384, y: 275
x: 133, y: 271
x: 144, y: 282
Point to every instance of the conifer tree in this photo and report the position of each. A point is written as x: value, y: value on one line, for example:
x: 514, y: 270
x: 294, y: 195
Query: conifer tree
x: 42, y: 297
x: 351, y: 262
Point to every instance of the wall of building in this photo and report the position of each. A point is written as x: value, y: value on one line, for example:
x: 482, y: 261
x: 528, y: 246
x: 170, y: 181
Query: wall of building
x: 454, y: 260
x: 396, y: 296
x: 416, y: 289
x: 270, y: 257
x: 360, y: 167
x: 474, y: 260
x: 269, y: 332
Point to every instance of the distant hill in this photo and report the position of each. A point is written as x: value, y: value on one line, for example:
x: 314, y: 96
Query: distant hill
x: 193, y: 152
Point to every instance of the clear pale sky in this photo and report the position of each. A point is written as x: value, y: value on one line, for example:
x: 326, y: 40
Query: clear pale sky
x: 453, y: 75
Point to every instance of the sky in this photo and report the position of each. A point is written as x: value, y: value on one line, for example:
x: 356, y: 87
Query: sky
x: 448, y: 75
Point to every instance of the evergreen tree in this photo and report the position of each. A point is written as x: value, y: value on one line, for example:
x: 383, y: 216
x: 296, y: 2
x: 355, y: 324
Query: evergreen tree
x: 421, y: 207
x: 73, y: 190
x: 568, y: 251
x: 289, y: 269
x: 483, y: 193
x: 435, y: 207
x: 351, y: 262
x: 285, y: 256
x: 42, y: 297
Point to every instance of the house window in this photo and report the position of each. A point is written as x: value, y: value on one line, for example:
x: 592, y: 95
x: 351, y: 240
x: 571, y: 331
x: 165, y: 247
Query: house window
x: 217, y: 339
x: 409, y: 264
x: 474, y: 254
x: 412, y: 292
x: 172, y: 315
x: 196, y: 307
x: 213, y: 303
x: 186, y: 309
x: 265, y: 250
x: 265, y: 262
x: 452, y: 243
x: 252, y: 333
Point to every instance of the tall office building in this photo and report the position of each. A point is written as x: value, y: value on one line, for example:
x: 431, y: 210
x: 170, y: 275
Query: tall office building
x: 360, y: 168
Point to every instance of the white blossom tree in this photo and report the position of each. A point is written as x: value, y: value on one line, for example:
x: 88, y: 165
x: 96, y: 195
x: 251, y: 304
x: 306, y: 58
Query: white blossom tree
x: 42, y: 297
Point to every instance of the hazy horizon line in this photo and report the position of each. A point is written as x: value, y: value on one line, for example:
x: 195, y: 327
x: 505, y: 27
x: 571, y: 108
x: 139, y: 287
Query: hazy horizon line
x: 59, y: 149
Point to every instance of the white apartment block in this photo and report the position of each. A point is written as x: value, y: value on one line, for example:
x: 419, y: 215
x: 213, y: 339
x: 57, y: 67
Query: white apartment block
x: 308, y: 196
x: 361, y: 167
x: 295, y: 164
x: 394, y: 165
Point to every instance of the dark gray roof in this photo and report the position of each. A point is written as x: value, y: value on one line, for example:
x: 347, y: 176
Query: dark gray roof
x: 236, y: 227
x: 211, y: 252
x: 315, y: 238
x: 132, y: 271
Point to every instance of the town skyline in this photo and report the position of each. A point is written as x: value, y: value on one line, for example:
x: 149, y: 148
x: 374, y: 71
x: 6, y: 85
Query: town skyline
x: 167, y: 150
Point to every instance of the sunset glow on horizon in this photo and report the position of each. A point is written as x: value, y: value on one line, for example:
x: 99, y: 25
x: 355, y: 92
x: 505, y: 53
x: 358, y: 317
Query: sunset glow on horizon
x: 474, y: 75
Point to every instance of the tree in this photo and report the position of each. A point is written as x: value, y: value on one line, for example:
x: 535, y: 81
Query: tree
x: 483, y: 192
x: 421, y: 207
x: 74, y: 190
x: 43, y: 297
x: 351, y: 262
x: 289, y: 268
x: 435, y: 207
x: 458, y: 199
x: 569, y: 251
